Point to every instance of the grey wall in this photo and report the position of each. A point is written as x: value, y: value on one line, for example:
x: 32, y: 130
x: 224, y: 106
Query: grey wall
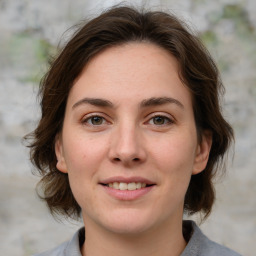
x: 30, y: 31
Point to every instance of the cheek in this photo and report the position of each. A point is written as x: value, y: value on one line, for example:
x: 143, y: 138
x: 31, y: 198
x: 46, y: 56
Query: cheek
x: 83, y: 153
x: 178, y: 151
x: 174, y: 158
x: 83, y: 158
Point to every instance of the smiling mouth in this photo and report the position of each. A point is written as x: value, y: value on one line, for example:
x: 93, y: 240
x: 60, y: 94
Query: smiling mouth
x: 127, y: 186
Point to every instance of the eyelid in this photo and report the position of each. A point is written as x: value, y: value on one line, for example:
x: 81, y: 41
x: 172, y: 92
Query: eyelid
x: 170, y: 118
x: 86, y: 117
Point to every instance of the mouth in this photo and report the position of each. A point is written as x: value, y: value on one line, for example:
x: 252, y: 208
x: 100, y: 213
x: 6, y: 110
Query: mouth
x: 127, y: 186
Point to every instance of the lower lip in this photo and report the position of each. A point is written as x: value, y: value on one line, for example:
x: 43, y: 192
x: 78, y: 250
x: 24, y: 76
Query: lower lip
x: 127, y: 195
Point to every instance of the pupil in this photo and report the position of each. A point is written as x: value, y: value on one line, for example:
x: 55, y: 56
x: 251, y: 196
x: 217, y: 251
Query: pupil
x: 158, y: 120
x: 96, y: 120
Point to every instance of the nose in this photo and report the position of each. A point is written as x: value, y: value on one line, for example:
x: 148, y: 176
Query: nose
x: 127, y: 146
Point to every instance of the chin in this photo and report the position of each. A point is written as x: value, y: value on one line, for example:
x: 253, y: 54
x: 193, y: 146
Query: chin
x: 127, y: 228
x: 128, y: 223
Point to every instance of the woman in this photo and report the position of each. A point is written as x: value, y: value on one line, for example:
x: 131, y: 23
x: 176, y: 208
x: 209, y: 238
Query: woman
x: 131, y: 135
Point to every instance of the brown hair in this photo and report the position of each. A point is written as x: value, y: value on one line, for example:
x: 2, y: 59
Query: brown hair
x: 116, y: 26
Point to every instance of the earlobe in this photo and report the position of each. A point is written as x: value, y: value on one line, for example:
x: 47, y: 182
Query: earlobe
x: 61, y: 163
x: 203, y: 152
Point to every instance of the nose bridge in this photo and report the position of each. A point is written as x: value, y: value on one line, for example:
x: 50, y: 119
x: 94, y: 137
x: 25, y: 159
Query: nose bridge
x: 127, y: 145
x: 127, y: 139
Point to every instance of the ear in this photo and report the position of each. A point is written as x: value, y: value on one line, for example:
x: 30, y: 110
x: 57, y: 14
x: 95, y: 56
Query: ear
x: 202, y: 152
x: 61, y: 163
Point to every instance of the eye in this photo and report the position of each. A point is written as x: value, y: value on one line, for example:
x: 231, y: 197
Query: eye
x: 160, y: 120
x: 94, y: 120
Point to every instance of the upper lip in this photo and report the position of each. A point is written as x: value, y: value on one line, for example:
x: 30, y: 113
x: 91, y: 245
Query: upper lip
x: 126, y: 180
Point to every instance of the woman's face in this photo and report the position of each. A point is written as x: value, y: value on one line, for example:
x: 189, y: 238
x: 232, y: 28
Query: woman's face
x: 129, y: 142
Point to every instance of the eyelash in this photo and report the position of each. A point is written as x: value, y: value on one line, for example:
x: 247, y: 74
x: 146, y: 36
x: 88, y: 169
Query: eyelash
x: 89, y: 120
x: 167, y: 120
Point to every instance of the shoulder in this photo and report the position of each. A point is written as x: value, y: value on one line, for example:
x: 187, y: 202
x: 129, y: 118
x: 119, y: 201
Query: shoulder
x: 68, y: 248
x: 57, y: 251
x: 200, y: 245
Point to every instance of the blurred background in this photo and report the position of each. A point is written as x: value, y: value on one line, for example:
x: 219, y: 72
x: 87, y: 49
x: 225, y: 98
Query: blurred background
x: 30, y: 31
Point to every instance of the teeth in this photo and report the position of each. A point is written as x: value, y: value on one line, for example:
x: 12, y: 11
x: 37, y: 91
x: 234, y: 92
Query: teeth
x: 126, y: 186
x: 123, y: 186
x: 131, y: 186
x: 116, y: 185
x: 138, y: 185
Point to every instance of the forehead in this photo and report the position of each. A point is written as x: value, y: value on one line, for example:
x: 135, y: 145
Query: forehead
x: 136, y: 57
x: 141, y: 70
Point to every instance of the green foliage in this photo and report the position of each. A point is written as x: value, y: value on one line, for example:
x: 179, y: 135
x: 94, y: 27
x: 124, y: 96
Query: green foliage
x: 240, y: 33
x: 233, y: 11
x: 239, y: 16
x: 44, y: 50
x: 209, y: 38
x: 28, y: 50
x: 26, y: 43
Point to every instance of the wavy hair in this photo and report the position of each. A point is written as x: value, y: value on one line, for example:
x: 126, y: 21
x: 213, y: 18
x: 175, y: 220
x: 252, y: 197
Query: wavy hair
x: 119, y: 25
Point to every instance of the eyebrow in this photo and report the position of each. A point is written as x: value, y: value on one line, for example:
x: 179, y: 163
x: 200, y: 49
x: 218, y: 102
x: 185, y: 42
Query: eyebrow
x: 94, y: 102
x: 154, y: 101
x: 160, y: 101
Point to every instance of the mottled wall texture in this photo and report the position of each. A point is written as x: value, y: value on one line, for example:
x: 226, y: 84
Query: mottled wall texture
x: 30, y: 31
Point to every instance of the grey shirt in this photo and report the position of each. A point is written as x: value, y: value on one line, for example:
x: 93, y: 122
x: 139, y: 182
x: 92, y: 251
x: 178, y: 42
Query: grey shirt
x: 198, y: 244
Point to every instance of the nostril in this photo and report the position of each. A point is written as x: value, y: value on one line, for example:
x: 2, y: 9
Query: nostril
x: 136, y: 159
x: 117, y: 159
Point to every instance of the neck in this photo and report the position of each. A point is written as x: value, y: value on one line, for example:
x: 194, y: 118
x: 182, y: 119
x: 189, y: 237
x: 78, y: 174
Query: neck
x: 168, y: 241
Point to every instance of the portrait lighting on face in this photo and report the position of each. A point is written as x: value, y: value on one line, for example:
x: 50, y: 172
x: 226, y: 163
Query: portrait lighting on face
x: 130, y: 156
x: 133, y: 140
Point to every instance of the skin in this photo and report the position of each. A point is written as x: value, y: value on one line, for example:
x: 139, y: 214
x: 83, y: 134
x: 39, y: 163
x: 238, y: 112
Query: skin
x: 127, y: 139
